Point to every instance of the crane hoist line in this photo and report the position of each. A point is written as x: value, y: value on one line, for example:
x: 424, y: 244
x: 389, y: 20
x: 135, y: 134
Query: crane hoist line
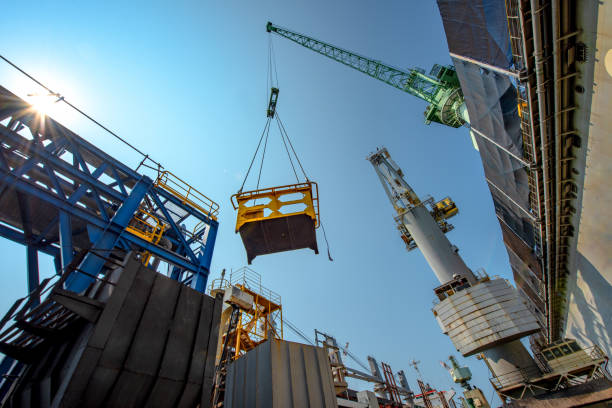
x: 281, y: 218
x: 440, y: 88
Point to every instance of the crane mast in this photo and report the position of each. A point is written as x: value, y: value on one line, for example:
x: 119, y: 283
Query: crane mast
x: 412, y: 214
x: 462, y: 297
x: 440, y: 88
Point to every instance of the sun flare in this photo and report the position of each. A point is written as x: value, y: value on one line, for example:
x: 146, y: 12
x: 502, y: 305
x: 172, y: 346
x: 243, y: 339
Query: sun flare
x: 43, y: 104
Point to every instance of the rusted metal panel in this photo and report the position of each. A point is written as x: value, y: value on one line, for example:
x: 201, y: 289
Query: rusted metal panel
x: 278, y: 235
x: 522, y: 250
x: 529, y: 292
x: 279, y: 374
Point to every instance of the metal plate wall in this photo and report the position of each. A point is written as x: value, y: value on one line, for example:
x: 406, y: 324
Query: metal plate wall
x: 280, y: 374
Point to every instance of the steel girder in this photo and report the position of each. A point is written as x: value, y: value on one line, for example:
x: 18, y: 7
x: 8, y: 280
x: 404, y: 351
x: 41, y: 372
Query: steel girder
x: 60, y: 195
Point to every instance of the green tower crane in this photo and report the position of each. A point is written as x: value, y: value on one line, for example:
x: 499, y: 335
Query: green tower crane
x: 440, y: 88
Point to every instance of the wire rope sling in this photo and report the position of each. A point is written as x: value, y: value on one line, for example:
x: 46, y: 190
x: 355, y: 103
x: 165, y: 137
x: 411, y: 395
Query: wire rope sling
x: 282, y: 218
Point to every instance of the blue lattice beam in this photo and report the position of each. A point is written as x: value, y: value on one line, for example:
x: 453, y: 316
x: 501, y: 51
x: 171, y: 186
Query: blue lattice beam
x: 82, y: 199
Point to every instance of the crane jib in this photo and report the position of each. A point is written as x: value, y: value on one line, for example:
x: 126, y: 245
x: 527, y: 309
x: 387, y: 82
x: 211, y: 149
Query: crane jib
x: 440, y: 88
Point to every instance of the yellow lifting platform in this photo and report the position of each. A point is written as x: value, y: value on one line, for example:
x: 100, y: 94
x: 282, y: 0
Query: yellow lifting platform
x: 278, y: 219
x: 187, y: 194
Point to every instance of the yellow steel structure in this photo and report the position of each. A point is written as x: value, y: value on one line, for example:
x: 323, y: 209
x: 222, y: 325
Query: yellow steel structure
x: 440, y: 211
x: 444, y: 209
x: 187, y: 194
x: 148, y: 227
x: 275, y: 203
x: 262, y: 321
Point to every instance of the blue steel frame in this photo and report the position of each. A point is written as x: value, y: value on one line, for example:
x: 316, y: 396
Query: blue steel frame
x: 59, y: 195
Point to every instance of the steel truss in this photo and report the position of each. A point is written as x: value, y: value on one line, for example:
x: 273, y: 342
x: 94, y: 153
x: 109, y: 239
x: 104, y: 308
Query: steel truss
x: 61, y: 195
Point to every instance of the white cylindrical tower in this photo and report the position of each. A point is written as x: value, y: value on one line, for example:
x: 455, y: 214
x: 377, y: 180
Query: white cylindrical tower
x: 479, y: 315
x: 440, y: 254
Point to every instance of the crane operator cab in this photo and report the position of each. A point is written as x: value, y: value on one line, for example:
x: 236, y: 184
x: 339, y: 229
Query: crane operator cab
x: 565, y: 353
x: 278, y: 219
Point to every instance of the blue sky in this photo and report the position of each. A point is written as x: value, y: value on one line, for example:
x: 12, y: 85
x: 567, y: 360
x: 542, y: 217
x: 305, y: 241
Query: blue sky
x: 186, y: 82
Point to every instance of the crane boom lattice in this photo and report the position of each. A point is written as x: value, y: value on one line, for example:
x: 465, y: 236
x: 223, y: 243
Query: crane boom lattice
x: 440, y: 88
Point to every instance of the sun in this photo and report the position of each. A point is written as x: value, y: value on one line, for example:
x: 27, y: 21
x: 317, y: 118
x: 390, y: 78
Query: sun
x: 43, y: 103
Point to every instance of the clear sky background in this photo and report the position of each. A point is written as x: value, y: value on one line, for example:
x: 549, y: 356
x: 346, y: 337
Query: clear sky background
x: 185, y: 81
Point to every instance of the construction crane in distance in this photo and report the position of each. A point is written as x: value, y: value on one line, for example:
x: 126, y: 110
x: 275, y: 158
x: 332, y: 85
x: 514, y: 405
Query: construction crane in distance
x: 384, y: 387
x: 440, y: 88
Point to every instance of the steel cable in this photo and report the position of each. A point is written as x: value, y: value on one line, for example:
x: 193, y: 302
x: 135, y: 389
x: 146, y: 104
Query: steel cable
x: 288, y: 154
x: 291, y: 144
x: 254, y: 155
x: 297, y: 331
x: 61, y: 98
x: 263, y: 156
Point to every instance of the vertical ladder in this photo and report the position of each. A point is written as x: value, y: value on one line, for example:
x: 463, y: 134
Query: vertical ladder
x: 390, y: 382
x: 426, y: 400
x: 443, y: 399
x: 221, y: 372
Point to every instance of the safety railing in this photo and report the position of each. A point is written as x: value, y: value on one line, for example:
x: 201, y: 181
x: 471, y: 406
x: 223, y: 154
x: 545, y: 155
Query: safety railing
x: 513, y: 13
x: 262, y: 320
x: 248, y: 279
x: 218, y: 284
x: 592, y: 356
x: 481, y: 275
x: 251, y: 280
x: 427, y: 201
x: 196, y: 237
x: 147, y: 226
x: 41, y: 309
x: 187, y: 194
x: 520, y: 376
x: 581, y: 358
x: 30, y: 301
x: 271, y: 204
x: 406, y: 237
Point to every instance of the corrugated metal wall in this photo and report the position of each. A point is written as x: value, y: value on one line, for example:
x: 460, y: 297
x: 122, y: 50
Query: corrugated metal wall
x: 280, y: 374
x: 149, y: 347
